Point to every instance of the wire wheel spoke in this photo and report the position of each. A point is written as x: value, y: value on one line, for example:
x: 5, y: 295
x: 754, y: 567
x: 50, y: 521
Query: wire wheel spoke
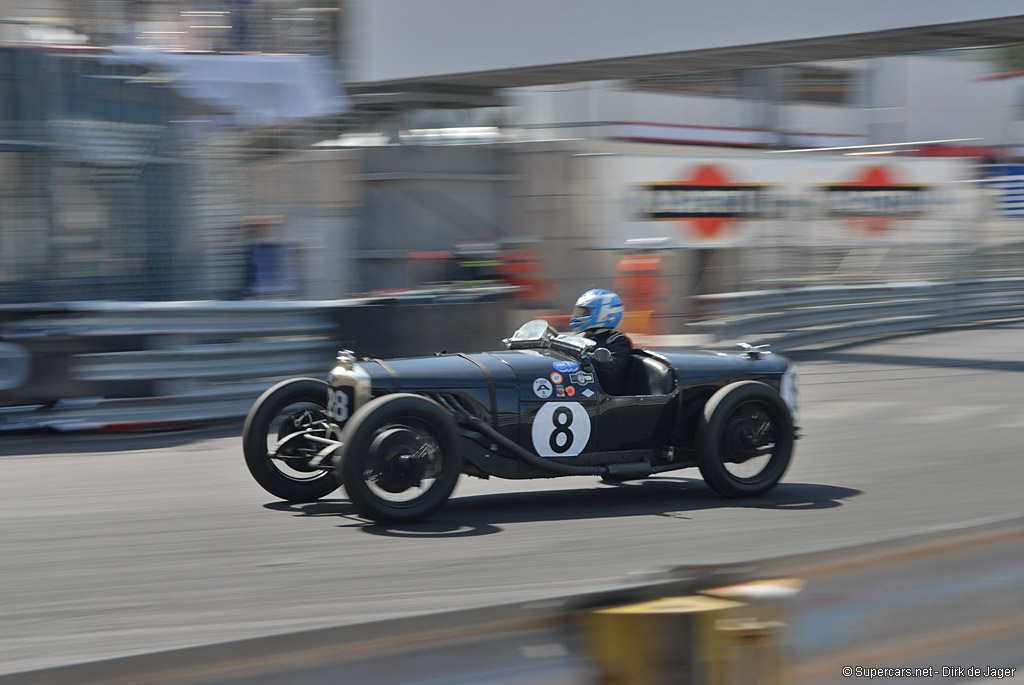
x: 403, y: 464
x: 748, y: 442
x: 287, y: 450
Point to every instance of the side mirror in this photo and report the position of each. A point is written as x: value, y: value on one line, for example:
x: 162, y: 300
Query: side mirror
x: 602, y: 355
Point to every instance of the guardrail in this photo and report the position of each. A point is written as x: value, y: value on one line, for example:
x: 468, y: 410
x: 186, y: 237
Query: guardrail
x: 122, y: 365
x: 794, y: 318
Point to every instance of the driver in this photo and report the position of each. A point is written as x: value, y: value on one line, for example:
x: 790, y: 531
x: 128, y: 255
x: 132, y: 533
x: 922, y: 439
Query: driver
x: 596, y: 314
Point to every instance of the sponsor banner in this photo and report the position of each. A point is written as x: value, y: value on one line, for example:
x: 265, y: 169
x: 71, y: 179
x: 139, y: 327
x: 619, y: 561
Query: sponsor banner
x: 773, y: 199
x: 1007, y: 181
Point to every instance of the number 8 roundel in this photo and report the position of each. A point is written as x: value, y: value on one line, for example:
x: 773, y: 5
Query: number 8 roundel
x: 560, y: 429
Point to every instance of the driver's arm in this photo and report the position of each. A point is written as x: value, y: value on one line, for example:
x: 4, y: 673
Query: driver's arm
x: 612, y: 372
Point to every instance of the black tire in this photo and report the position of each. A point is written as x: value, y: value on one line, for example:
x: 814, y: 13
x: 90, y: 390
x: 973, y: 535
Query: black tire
x: 392, y: 445
x: 290, y: 479
x: 742, y: 424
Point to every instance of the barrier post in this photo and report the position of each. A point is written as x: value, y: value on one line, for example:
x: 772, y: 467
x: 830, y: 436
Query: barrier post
x: 756, y: 641
x: 726, y: 636
x: 670, y: 640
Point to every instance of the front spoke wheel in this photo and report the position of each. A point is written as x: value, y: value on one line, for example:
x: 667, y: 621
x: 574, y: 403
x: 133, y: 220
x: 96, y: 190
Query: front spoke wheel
x: 745, y: 439
x: 399, y: 460
x: 275, y: 440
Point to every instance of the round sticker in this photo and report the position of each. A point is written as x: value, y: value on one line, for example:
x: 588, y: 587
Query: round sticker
x: 570, y: 391
x: 560, y: 429
x: 556, y: 378
x: 542, y: 388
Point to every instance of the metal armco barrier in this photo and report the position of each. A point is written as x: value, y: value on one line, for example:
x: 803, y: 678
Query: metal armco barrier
x: 120, y: 365
x: 794, y: 318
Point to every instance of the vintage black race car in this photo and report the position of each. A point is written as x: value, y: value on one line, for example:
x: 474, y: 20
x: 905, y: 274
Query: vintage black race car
x: 398, y: 433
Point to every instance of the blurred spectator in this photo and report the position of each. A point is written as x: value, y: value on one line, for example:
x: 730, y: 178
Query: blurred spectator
x: 270, y: 267
x: 240, y: 38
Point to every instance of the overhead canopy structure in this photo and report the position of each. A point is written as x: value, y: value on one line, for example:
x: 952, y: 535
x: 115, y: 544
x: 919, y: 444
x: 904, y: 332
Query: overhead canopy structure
x: 247, y: 90
x: 467, y: 44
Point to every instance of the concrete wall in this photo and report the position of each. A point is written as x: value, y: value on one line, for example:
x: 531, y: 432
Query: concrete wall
x: 932, y: 98
x: 427, y: 198
x: 318, y: 196
x: 556, y: 198
x: 357, y: 214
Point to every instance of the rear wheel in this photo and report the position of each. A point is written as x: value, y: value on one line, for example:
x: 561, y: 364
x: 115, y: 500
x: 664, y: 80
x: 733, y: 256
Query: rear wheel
x: 745, y: 439
x: 399, y: 460
x: 279, y: 463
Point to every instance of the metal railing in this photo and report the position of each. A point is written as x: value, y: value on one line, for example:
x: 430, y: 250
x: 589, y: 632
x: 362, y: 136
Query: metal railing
x: 86, y: 366
x: 109, y: 365
x: 798, y: 317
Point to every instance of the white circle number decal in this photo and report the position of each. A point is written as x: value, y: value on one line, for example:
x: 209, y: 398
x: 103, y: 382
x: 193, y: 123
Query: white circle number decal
x: 561, y: 429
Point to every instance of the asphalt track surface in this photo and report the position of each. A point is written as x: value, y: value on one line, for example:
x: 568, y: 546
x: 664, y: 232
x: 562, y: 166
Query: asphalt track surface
x: 117, y: 545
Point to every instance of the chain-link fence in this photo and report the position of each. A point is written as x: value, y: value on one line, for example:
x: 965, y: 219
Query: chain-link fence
x: 267, y: 26
x: 116, y: 184
x: 93, y: 186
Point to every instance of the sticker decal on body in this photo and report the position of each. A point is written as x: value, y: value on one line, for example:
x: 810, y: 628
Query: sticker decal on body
x: 561, y: 429
x: 542, y: 388
x: 556, y: 378
x: 582, y: 378
x: 566, y: 367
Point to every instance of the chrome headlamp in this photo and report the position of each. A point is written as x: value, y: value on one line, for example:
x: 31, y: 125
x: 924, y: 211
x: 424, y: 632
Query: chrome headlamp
x: 350, y: 387
x: 789, y: 388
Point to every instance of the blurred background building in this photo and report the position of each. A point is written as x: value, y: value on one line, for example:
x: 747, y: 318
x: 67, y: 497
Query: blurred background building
x: 141, y: 141
x: 127, y: 133
x: 269, y: 26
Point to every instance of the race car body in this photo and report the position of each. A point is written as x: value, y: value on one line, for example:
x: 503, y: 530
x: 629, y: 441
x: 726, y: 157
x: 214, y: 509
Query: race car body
x: 398, y: 432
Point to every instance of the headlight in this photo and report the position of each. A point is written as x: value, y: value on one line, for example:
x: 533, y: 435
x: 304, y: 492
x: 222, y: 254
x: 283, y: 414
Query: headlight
x: 789, y: 389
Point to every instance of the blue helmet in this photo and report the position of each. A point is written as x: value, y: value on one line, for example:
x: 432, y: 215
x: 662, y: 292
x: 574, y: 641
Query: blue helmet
x: 596, y: 309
